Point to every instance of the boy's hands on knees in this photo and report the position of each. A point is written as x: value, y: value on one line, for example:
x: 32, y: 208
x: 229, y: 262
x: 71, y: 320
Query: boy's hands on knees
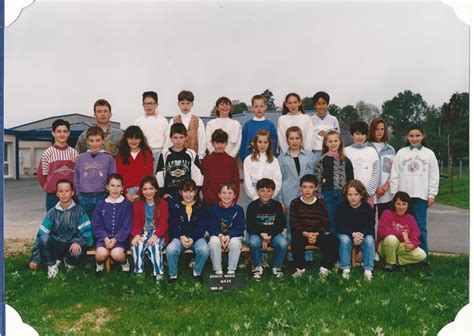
x: 186, y: 242
x: 224, y: 241
x: 266, y: 239
x: 110, y: 243
x: 33, y: 266
x: 136, y: 240
x: 358, y: 238
x: 152, y: 240
x: 75, y: 249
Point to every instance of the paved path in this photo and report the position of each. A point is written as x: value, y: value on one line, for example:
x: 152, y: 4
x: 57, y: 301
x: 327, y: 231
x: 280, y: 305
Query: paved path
x: 448, y: 227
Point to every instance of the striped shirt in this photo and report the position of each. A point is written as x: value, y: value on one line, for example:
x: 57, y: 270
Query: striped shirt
x: 308, y: 217
x: 56, y: 163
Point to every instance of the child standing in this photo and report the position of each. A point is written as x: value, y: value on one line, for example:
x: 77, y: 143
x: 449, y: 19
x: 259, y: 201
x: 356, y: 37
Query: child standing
x: 196, y: 139
x: 226, y: 228
x: 188, y: 222
x: 224, y: 122
x: 134, y: 161
x: 322, y: 121
x: 92, y: 169
x: 260, y: 164
x: 154, y: 126
x: 333, y: 171
x: 111, y: 223
x: 177, y: 163
x: 397, y: 234
x: 265, y: 223
x: 378, y: 139
x: 150, y: 226
x: 364, y: 159
x: 415, y: 171
x: 309, y: 226
x: 259, y: 106
x: 293, y: 115
x: 219, y: 167
x: 57, y: 162
x: 355, y: 226
x: 64, y: 233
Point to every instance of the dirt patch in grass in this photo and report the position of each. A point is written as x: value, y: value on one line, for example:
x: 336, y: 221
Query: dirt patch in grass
x: 90, y: 322
x: 14, y: 246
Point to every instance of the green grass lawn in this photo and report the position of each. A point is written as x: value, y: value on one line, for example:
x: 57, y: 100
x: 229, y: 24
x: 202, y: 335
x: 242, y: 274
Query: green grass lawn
x: 460, y: 196
x: 412, y: 301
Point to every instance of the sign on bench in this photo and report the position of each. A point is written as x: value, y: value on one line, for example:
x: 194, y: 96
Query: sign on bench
x: 225, y: 281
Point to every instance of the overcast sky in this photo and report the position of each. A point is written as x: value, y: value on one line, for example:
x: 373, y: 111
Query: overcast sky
x: 61, y: 57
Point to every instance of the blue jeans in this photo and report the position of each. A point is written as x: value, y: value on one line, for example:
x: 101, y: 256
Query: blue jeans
x: 345, y: 251
x: 51, y: 200
x: 52, y: 250
x: 332, y: 199
x: 279, y: 244
x: 88, y: 201
x: 174, y: 249
x: 419, y: 210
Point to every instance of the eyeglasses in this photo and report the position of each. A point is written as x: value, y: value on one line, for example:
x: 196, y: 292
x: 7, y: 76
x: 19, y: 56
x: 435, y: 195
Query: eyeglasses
x: 149, y: 104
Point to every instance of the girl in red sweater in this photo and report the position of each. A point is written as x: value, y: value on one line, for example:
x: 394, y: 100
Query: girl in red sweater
x: 134, y: 161
x: 398, y: 234
x: 150, y: 228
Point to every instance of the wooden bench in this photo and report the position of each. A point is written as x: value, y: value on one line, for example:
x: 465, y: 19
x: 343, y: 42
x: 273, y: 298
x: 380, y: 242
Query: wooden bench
x: 245, y: 252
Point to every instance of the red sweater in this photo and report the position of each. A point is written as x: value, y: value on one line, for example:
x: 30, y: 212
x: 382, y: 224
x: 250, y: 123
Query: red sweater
x: 160, y: 217
x: 135, y: 170
x: 218, y: 168
x: 56, y: 163
x: 392, y: 224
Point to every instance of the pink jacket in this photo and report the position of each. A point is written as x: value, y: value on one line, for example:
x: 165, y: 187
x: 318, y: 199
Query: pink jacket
x: 392, y: 224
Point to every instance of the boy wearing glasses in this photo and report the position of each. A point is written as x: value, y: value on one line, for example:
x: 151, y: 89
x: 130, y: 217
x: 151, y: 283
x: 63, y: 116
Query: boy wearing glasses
x: 153, y: 125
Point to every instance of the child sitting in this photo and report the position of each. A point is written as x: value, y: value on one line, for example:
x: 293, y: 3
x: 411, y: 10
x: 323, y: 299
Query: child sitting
x: 188, y: 222
x: 219, y: 167
x: 226, y: 228
x: 64, y: 233
x: 111, y: 223
x: 150, y: 226
x: 355, y: 226
x: 309, y: 226
x: 397, y: 234
x: 265, y: 223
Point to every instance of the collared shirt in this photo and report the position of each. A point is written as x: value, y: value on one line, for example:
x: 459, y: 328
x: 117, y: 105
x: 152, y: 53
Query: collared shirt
x: 112, y: 138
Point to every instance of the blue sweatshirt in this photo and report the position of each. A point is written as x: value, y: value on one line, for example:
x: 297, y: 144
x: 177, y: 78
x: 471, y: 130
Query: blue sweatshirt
x: 228, y: 221
x: 179, y: 225
x: 248, y: 133
x: 350, y: 220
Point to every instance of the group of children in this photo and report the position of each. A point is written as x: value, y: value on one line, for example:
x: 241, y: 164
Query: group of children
x: 302, y: 187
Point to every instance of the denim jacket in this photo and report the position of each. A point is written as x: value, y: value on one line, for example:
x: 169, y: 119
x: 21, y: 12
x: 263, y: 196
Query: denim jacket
x: 290, y: 188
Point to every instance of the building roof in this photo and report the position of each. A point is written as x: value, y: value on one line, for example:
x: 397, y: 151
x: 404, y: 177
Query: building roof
x: 80, y: 122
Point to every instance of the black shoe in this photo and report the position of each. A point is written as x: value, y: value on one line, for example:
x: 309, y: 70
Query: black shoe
x: 199, y: 279
x: 172, y: 281
x: 388, y: 268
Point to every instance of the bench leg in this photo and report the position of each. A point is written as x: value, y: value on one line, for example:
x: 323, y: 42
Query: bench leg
x: 107, y: 265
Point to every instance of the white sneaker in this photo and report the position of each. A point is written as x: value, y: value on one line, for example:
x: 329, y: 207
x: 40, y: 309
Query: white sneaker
x: 53, y: 270
x: 99, y: 268
x: 126, y: 267
x: 257, y: 273
x: 346, y: 273
x: 230, y: 272
x: 278, y: 273
x: 299, y: 273
x: 218, y: 272
x: 368, y: 275
x: 68, y: 267
x: 323, y: 272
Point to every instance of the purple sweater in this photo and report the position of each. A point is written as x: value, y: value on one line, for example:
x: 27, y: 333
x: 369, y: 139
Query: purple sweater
x: 90, y: 174
x: 112, y: 220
